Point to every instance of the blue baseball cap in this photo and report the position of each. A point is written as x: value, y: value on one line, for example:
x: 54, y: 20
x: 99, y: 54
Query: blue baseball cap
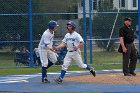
x: 52, y: 24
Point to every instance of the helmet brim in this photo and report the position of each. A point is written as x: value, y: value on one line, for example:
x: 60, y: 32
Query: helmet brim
x: 57, y: 25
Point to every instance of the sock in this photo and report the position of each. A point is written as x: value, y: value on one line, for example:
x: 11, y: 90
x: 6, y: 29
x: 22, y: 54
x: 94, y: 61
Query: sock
x: 88, y: 68
x: 63, y: 72
x: 49, y: 64
x: 44, y: 72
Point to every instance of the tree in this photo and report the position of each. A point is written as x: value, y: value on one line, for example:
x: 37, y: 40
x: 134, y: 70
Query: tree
x: 105, y: 5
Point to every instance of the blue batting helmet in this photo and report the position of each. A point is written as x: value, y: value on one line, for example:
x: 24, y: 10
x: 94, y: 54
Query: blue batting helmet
x: 72, y: 24
x: 52, y: 24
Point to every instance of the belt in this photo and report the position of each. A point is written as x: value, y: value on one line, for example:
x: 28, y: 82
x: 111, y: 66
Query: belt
x: 72, y: 51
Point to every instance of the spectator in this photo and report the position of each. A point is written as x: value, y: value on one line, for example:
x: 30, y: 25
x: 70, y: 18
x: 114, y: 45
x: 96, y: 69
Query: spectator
x: 25, y: 55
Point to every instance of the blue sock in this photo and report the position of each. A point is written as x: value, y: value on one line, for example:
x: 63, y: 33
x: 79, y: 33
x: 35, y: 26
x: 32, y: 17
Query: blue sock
x: 49, y: 64
x: 88, y: 68
x: 63, y: 72
x: 44, y: 72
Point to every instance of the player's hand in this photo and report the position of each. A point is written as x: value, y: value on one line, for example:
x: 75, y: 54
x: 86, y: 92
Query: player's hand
x: 75, y: 47
x: 124, y: 49
x: 55, y: 48
x: 52, y: 49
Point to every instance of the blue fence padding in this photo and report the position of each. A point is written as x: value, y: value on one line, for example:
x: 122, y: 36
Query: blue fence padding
x: 31, y: 30
x: 85, y: 33
x: 139, y: 24
x: 90, y: 29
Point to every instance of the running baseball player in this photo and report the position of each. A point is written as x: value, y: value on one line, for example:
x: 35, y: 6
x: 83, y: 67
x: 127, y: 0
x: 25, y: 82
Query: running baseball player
x: 73, y: 41
x: 46, y: 50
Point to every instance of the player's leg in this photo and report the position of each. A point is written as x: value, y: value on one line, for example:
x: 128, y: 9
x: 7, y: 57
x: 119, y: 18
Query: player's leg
x: 78, y: 59
x: 66, y: 64
x: 49, y: 64
x: 52, y: 58
x: 44, y: 62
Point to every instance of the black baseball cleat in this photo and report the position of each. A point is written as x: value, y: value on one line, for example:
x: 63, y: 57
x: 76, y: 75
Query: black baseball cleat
x: 127, y: 74
x: 45, y: 80
x: 133, y: 73
x: 93, y: 72
x: 59, y: 80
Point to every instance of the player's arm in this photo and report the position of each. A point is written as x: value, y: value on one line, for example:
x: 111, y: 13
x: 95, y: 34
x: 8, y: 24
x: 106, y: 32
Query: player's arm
x: 48, y: 46
x: 81, y: 44
x: 47, y: 42
x: 62, y: 45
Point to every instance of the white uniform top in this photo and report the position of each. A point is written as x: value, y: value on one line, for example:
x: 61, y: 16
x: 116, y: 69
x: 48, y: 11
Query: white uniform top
x: 46, y: 39
x: 72, y: 40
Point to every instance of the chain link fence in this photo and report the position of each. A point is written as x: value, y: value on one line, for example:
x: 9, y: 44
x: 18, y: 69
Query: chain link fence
x: 100, y: 15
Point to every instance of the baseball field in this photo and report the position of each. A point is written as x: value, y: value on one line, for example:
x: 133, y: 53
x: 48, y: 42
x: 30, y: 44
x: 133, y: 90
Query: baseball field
x: 108, y: 77
x: 29, y: 29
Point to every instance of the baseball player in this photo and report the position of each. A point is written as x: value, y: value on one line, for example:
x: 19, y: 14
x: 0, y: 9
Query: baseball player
x: 46, y: 51
x: 73, y: 41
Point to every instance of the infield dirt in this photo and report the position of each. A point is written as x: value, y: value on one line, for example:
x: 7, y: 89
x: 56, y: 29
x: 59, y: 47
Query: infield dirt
x: 112, y: 78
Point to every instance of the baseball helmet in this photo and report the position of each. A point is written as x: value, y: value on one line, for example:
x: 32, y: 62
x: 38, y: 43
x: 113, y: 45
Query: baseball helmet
x: 72, y: 24
x: 52, y: 24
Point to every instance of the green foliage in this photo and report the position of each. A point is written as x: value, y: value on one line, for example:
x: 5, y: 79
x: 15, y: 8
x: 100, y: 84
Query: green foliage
x: 105, y: 5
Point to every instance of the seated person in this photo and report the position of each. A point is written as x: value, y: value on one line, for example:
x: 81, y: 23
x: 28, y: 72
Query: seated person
x: 25, y: 55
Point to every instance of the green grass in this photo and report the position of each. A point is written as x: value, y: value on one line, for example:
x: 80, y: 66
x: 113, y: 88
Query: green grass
x: 15, y: 71
x: 7, y: 63
x: 105, y: 57
x: 6, y: 56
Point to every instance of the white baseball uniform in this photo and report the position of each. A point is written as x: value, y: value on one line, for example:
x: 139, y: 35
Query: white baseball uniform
x: 45, y: 53
x: 72, y: 40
